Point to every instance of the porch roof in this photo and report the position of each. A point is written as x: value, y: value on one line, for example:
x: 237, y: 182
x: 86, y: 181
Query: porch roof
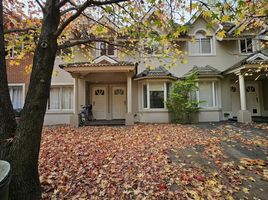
x: 100, y: 64
x: 258, y: 59
x: 206, y: 71
x: 158, y: 72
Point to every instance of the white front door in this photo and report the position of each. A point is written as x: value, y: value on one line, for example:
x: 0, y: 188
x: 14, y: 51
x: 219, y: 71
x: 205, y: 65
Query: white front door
x: 235, y: 98
x: 253, y: 100
x: 99, y: 102
x: 118, y: 102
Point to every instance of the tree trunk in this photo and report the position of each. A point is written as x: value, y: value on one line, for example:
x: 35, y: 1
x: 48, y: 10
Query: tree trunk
x: 24, y: 152
x: 7, y: 118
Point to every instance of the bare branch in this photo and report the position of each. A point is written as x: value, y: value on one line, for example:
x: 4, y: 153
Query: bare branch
x: 17, y: 30
x: 69, y: 44
x: 81, y: 8
x: 67, y: 10
x: 41, y: 6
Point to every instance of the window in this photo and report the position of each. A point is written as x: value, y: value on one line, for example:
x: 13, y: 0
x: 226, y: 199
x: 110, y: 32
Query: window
x: 60, y: 98
x: 106, y: 49
x: 208, y: 94
x: 201, y: 45
x: 13, y: 51
x: 16, y: 96
x: 155, y: 94
x: 152, y: 48
x: 246, y: 46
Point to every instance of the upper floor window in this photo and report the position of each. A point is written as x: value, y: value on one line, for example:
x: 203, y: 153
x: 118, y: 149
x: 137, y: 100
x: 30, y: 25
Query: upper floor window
x: 152, y: 48
x: 201, y: 45
x: 106, y: 49
x: 246, y: 46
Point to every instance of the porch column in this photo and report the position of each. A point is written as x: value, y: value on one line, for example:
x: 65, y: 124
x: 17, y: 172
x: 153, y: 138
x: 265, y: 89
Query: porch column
x: 129, y: 94
x: 242, y: 92
x: 74, y: 118
x: 129, y: 115
x: 243, y: 115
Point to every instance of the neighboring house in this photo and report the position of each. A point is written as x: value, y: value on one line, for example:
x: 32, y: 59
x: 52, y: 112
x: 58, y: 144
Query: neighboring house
x: 230, y: 81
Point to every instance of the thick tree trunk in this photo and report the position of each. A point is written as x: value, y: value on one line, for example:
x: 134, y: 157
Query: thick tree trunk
x: 24, y: 151
x: 7, y: 118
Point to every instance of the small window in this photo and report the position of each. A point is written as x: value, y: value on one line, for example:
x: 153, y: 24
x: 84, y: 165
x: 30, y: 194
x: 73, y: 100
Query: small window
x: 106, y: 49
x: 246, y: 46
x: 119, y: 92
x: 250, y: 89
x: 60, y: 98
x: 16, y: 96
x: 99, y: 92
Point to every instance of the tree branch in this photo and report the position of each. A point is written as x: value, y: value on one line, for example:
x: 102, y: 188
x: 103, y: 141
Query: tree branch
x: 17, y: 30
x: 81, y: 8
x: 41, y: 6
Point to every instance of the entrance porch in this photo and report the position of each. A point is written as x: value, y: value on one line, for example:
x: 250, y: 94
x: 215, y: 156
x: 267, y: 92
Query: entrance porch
x: 106, y: 84
x: 248, y: 87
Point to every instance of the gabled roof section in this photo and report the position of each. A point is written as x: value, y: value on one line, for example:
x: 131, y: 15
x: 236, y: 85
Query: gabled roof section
x: 104, y: 60
x: 259, y: 57
x: 158, y: 72
x: 205, y: 71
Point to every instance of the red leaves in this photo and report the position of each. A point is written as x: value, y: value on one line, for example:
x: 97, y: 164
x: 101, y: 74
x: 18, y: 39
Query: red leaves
x: 134, y: 163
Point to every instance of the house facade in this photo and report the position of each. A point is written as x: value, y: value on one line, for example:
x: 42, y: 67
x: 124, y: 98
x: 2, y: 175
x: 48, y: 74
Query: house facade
x: 232, y: 81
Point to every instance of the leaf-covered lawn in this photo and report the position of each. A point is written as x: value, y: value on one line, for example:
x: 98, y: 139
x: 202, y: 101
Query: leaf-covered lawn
x: 155, y: 161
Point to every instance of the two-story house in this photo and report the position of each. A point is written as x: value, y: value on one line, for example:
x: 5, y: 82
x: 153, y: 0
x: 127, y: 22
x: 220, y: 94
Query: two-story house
x: 232, y: 80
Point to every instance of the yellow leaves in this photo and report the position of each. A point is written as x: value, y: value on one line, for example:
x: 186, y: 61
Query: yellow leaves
x: 193, y: 194
x: 245, y: 190
x: 251, y: 162
x: 221, y: 34
x: 207, y: 13
x: 252, y: 179
x: 225, y: 18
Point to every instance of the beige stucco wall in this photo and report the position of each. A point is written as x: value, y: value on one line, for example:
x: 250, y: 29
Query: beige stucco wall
x: 226, y: 53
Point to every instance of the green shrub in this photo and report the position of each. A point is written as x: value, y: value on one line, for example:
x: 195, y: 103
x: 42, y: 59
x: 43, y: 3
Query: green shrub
x: 182, y: 101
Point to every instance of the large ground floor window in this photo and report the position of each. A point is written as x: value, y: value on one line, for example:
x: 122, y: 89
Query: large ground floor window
x: 207, y: 94
x: 60, y: 98
x: 16, y: 95
x: 155, y: 94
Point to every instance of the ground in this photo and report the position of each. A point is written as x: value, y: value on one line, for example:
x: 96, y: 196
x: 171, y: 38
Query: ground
x: 155, y: 161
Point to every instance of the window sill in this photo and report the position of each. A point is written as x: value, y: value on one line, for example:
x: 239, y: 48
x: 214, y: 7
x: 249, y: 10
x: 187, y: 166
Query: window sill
x: 59, y: 112
x: 202, y: 55
x: 210, y: 109
x: 154, y: 110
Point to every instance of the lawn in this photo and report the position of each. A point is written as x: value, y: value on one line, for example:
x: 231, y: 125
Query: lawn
x: 155, y: 161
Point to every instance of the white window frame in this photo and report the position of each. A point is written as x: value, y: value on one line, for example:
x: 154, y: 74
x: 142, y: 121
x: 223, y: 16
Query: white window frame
x: 13, y: 52
x: 61, y: 110
x: 212, y: 44
x: 154, y: 50
x: 214, y: 92
x: 148, y: 95
x: 246, y: 53
x: 23, y: 90
x: 98, y: 50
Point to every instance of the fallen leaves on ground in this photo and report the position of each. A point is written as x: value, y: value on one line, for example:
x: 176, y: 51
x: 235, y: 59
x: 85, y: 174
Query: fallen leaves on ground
x: 134, y: 163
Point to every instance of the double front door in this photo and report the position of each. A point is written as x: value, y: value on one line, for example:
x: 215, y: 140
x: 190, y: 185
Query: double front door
x: 109, y: 102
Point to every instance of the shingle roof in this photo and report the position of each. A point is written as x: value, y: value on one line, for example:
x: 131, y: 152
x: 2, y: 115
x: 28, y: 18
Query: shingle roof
x: 204, y: 71
x: 247, y: 61
x: 158, y: 72
x: 90, y: 64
